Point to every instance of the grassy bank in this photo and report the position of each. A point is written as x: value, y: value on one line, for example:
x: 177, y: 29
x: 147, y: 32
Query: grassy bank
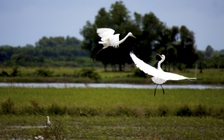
x: 132, y: 128
x: 111, y: 113
x: 112, y: 102
x: 69, y: 75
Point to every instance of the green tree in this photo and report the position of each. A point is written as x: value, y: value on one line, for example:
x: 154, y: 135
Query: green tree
x: 186, y: 50
x: 59, y: 50
x: 6, y: 52
x: 152, y: 35
x: 151, y: 27
x: 168, y: 38
x: 209, y: 51
x: 117, y: 18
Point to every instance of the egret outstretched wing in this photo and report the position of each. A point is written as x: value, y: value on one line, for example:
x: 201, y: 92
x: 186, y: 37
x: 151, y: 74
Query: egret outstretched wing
x: 108, y: 38
x: 105, y: 32
x: 174, y: 76
x: 159, y: 76
x: 146, y: 68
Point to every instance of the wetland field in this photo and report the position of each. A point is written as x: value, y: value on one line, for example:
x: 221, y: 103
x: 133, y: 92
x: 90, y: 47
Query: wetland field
x: 111, y: 113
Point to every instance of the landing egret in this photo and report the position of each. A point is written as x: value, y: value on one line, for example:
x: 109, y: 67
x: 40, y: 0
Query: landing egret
x: 159, y: 76
x: 108, y: 38
x: 48, y: 121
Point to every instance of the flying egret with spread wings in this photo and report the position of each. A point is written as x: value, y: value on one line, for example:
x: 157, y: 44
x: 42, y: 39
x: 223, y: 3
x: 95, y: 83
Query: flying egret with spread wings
x: 159, y: 76
x: 108, y: 38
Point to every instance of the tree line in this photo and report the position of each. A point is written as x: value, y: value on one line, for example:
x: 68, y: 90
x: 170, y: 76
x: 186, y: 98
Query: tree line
x: 47, y: 51
x: 152, y: 36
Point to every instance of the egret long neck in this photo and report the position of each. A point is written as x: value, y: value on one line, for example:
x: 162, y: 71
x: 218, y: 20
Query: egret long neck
x: 122, y: 40
x: 159, y: 64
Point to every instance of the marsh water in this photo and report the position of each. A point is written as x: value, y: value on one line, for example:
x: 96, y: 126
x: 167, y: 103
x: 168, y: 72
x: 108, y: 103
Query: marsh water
x: 107, y: 85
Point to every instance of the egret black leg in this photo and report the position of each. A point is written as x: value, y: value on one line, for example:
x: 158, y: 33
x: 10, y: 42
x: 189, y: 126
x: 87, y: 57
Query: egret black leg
x: 97, y: 54
x: 155, y: 90
x: 99, y: 51
x: 163, y: 89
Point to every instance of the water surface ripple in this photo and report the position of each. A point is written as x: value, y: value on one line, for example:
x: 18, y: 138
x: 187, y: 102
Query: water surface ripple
x: 107, y: 85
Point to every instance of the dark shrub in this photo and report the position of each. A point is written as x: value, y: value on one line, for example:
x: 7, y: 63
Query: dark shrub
x: 163, y: 110
x: 200, y: 111
x: 184, y: 111
x: 56, y: 109
x: 36, y: 108
x: 43, y: 72
x: 7, y: 106
x: 89, y: 73
x: 4, y: 74
x: 15, y: 71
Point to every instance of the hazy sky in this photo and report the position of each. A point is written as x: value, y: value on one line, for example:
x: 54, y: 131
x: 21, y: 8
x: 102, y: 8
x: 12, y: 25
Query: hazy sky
x: 24, y: 22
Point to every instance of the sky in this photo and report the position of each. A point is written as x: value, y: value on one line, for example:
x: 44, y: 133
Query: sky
x: 24, y: 22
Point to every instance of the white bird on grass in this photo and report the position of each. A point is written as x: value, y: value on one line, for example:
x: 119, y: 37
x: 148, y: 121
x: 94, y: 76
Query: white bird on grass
x: 159, y: 76
x: 48, y: 121
x: 108, y: 38
x: 39, y: 137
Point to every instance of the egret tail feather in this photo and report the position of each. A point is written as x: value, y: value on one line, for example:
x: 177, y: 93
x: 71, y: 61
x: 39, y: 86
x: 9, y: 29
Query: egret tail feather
x: 192, y: 78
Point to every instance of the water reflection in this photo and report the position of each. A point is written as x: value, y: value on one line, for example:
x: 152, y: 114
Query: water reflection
x: 106, y: 85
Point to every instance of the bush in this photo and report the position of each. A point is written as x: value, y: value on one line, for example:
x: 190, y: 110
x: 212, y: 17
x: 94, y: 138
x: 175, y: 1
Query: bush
x: 36, y: 108
x: 56, y: 131
x: 8, y: 106
x: 201, y: 111
x: 4, y: 74
x: 120, y: 111
x: 184, y: 111
x: 57, y: 110
x: 15, y: 71
x: 89, y: 73
x: 181, y: 66
x: 43, y: 72
x: 163, y: 110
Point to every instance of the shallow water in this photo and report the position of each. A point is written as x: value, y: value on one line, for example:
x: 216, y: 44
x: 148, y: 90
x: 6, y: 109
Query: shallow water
x: 107, y: 85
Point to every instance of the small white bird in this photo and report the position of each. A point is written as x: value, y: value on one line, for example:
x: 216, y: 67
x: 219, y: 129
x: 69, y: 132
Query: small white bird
x: 48, y: 121
x: 108, y: 38
x: 39, y: 137
x: 159, y: 76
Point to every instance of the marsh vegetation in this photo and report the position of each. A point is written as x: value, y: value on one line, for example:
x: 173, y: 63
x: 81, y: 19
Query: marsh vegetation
x: 111, y: 113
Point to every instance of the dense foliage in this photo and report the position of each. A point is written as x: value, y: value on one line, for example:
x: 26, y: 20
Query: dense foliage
x: 47, y: 52
x: 153, y: 36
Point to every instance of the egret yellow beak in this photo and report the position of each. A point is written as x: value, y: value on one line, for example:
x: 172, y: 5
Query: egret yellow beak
x: 159, y: 55
x: 133, y: 36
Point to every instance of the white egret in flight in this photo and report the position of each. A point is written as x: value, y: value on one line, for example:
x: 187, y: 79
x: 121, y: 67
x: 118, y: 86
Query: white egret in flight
x: 108, y: 38
x: 159, y: 76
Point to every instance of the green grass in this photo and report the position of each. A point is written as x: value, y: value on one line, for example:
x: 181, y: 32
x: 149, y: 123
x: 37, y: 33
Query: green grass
x: 115, y: 101
x: 65, y: 74
x: 112, y: 113
x: 114, y: 127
